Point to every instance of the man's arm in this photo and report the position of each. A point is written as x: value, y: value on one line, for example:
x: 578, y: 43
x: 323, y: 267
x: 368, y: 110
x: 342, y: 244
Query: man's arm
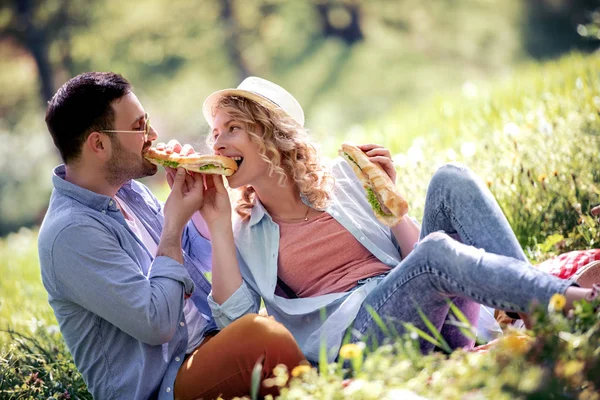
x: 102, y: 278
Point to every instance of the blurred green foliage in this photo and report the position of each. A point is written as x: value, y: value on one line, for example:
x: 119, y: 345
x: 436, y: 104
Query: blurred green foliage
x: 347, y: 61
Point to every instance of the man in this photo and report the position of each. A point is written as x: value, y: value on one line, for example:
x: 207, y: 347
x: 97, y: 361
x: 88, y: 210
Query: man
x: 124, y: 274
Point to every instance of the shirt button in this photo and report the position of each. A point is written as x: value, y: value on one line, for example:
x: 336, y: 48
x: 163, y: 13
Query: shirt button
x: 103, y: 211
x: 182, y: 323
x: 177, y: 359
x: 110, y: 203
x: 362, y: 238
x: 168, y: 390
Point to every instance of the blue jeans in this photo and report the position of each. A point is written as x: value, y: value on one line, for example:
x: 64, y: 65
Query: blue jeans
x: 467, y: 254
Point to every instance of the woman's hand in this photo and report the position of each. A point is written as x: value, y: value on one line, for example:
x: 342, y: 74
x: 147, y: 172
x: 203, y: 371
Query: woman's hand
x: 382, y: 156
x: 216, y: 209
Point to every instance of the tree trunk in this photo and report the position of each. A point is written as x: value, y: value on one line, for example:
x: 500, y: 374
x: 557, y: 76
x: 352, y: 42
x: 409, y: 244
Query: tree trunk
x: 232, y: 40
x: 35, y: 40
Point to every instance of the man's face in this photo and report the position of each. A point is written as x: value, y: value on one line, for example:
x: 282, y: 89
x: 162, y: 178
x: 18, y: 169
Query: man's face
x: 126, y: 161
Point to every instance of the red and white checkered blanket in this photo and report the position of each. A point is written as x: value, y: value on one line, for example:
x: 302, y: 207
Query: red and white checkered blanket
x: 567, y: 264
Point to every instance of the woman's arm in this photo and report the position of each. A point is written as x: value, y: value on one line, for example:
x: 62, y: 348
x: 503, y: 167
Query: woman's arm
x: 407, y: 234
x: 216, y: 211
x: 226, y: 276
x: 406, y: 231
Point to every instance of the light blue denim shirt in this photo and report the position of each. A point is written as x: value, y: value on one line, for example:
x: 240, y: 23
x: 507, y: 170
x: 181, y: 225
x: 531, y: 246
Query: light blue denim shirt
x: 119, y: 309
x: 257, y: 242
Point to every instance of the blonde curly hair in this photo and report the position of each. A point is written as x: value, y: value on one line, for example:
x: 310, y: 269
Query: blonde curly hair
x: 284, y: 145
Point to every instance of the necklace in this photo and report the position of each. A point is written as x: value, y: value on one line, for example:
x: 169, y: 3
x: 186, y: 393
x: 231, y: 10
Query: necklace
x: 305, y: 218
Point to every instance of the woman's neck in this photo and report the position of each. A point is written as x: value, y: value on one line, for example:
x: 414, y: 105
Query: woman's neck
x: 283, y: 201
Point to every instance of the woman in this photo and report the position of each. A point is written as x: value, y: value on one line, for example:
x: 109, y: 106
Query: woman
x: 308, y: 244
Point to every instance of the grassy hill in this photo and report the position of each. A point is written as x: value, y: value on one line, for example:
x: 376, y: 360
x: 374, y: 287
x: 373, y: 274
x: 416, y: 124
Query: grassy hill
x: 533, y: 138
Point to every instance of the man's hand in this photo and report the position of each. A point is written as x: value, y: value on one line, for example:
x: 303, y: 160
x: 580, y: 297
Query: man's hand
x: 382, y: 156
x: 187, y: 196
x: 174, y: 147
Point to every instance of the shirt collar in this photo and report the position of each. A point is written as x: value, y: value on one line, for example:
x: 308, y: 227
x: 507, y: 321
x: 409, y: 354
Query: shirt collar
x: 86, y: 197
x: 257, y: 212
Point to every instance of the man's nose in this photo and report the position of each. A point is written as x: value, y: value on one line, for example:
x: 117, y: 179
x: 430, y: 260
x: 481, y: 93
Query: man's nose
x: 152, y: 134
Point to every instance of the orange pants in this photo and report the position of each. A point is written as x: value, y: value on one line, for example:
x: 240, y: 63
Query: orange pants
x: 222, y: 364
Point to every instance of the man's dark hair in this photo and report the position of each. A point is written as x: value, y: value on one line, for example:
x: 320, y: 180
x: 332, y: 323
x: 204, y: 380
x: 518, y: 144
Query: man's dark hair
x: 81, y: 106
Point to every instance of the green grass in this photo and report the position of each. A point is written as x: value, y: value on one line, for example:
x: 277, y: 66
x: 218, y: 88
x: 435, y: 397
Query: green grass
x: 534, y: 140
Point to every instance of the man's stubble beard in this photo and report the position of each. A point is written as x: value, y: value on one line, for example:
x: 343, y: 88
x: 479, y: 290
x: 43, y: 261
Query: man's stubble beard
x: 125, y: 165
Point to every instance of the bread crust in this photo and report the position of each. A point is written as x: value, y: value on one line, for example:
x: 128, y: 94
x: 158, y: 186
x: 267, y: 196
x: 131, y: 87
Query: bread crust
x: 193, y: 162
x: 373, y: 177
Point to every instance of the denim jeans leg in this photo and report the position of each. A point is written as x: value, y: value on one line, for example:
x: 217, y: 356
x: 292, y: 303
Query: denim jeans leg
x: 441, y: 269
x: 459, y: 204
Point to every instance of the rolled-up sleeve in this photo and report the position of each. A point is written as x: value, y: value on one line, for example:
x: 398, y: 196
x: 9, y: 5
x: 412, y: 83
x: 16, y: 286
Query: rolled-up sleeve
x: 243, y: 301
x: 90, y: 268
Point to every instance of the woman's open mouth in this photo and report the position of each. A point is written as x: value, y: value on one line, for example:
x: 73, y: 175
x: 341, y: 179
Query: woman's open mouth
x: 238, y: 160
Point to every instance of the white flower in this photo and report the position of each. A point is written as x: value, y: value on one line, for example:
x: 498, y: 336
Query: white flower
x: 451, y: 155
x: 545, y: 128
x: 419, y: 141
x: 52, y: 329
x: 399, y: 160
x: 354, y: 386
x: 469, y: 89
x: 373, y: 390
x: 467, y: 149
x: 415, y: 154
x: 402, y: 394
x: 512, y: 129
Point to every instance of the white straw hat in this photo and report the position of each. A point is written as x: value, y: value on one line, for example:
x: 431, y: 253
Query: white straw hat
x: 262, y: 91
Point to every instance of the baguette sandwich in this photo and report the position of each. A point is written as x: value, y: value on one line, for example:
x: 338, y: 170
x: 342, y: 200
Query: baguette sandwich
x: 202, y: 163
x: 388, y: 205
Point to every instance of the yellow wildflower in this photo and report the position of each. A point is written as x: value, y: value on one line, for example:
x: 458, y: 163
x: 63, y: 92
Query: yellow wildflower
x: 350, y: 350
x: 301, y: 370
x: 557, y: 303
x: 542, y: 178
x: 517, y: 344
x: 573, y: 368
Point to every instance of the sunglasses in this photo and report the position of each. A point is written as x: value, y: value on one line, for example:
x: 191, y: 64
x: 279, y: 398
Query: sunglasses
x: 145, y: 131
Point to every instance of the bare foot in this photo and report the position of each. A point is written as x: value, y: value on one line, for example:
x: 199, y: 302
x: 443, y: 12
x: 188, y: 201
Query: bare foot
x: 574, y: 293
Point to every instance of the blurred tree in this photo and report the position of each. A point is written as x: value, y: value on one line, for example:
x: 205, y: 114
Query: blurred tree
x: 551, y: 27
x: 37, y: 25
x: 341, y: 20
x: 231, y: 30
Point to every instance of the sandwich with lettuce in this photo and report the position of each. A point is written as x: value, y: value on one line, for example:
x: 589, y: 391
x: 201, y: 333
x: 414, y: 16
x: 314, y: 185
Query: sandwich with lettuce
x: 201, y: 163
x: 387, y: 204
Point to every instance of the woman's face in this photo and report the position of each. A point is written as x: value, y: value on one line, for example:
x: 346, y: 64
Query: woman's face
x: 230, y: 139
